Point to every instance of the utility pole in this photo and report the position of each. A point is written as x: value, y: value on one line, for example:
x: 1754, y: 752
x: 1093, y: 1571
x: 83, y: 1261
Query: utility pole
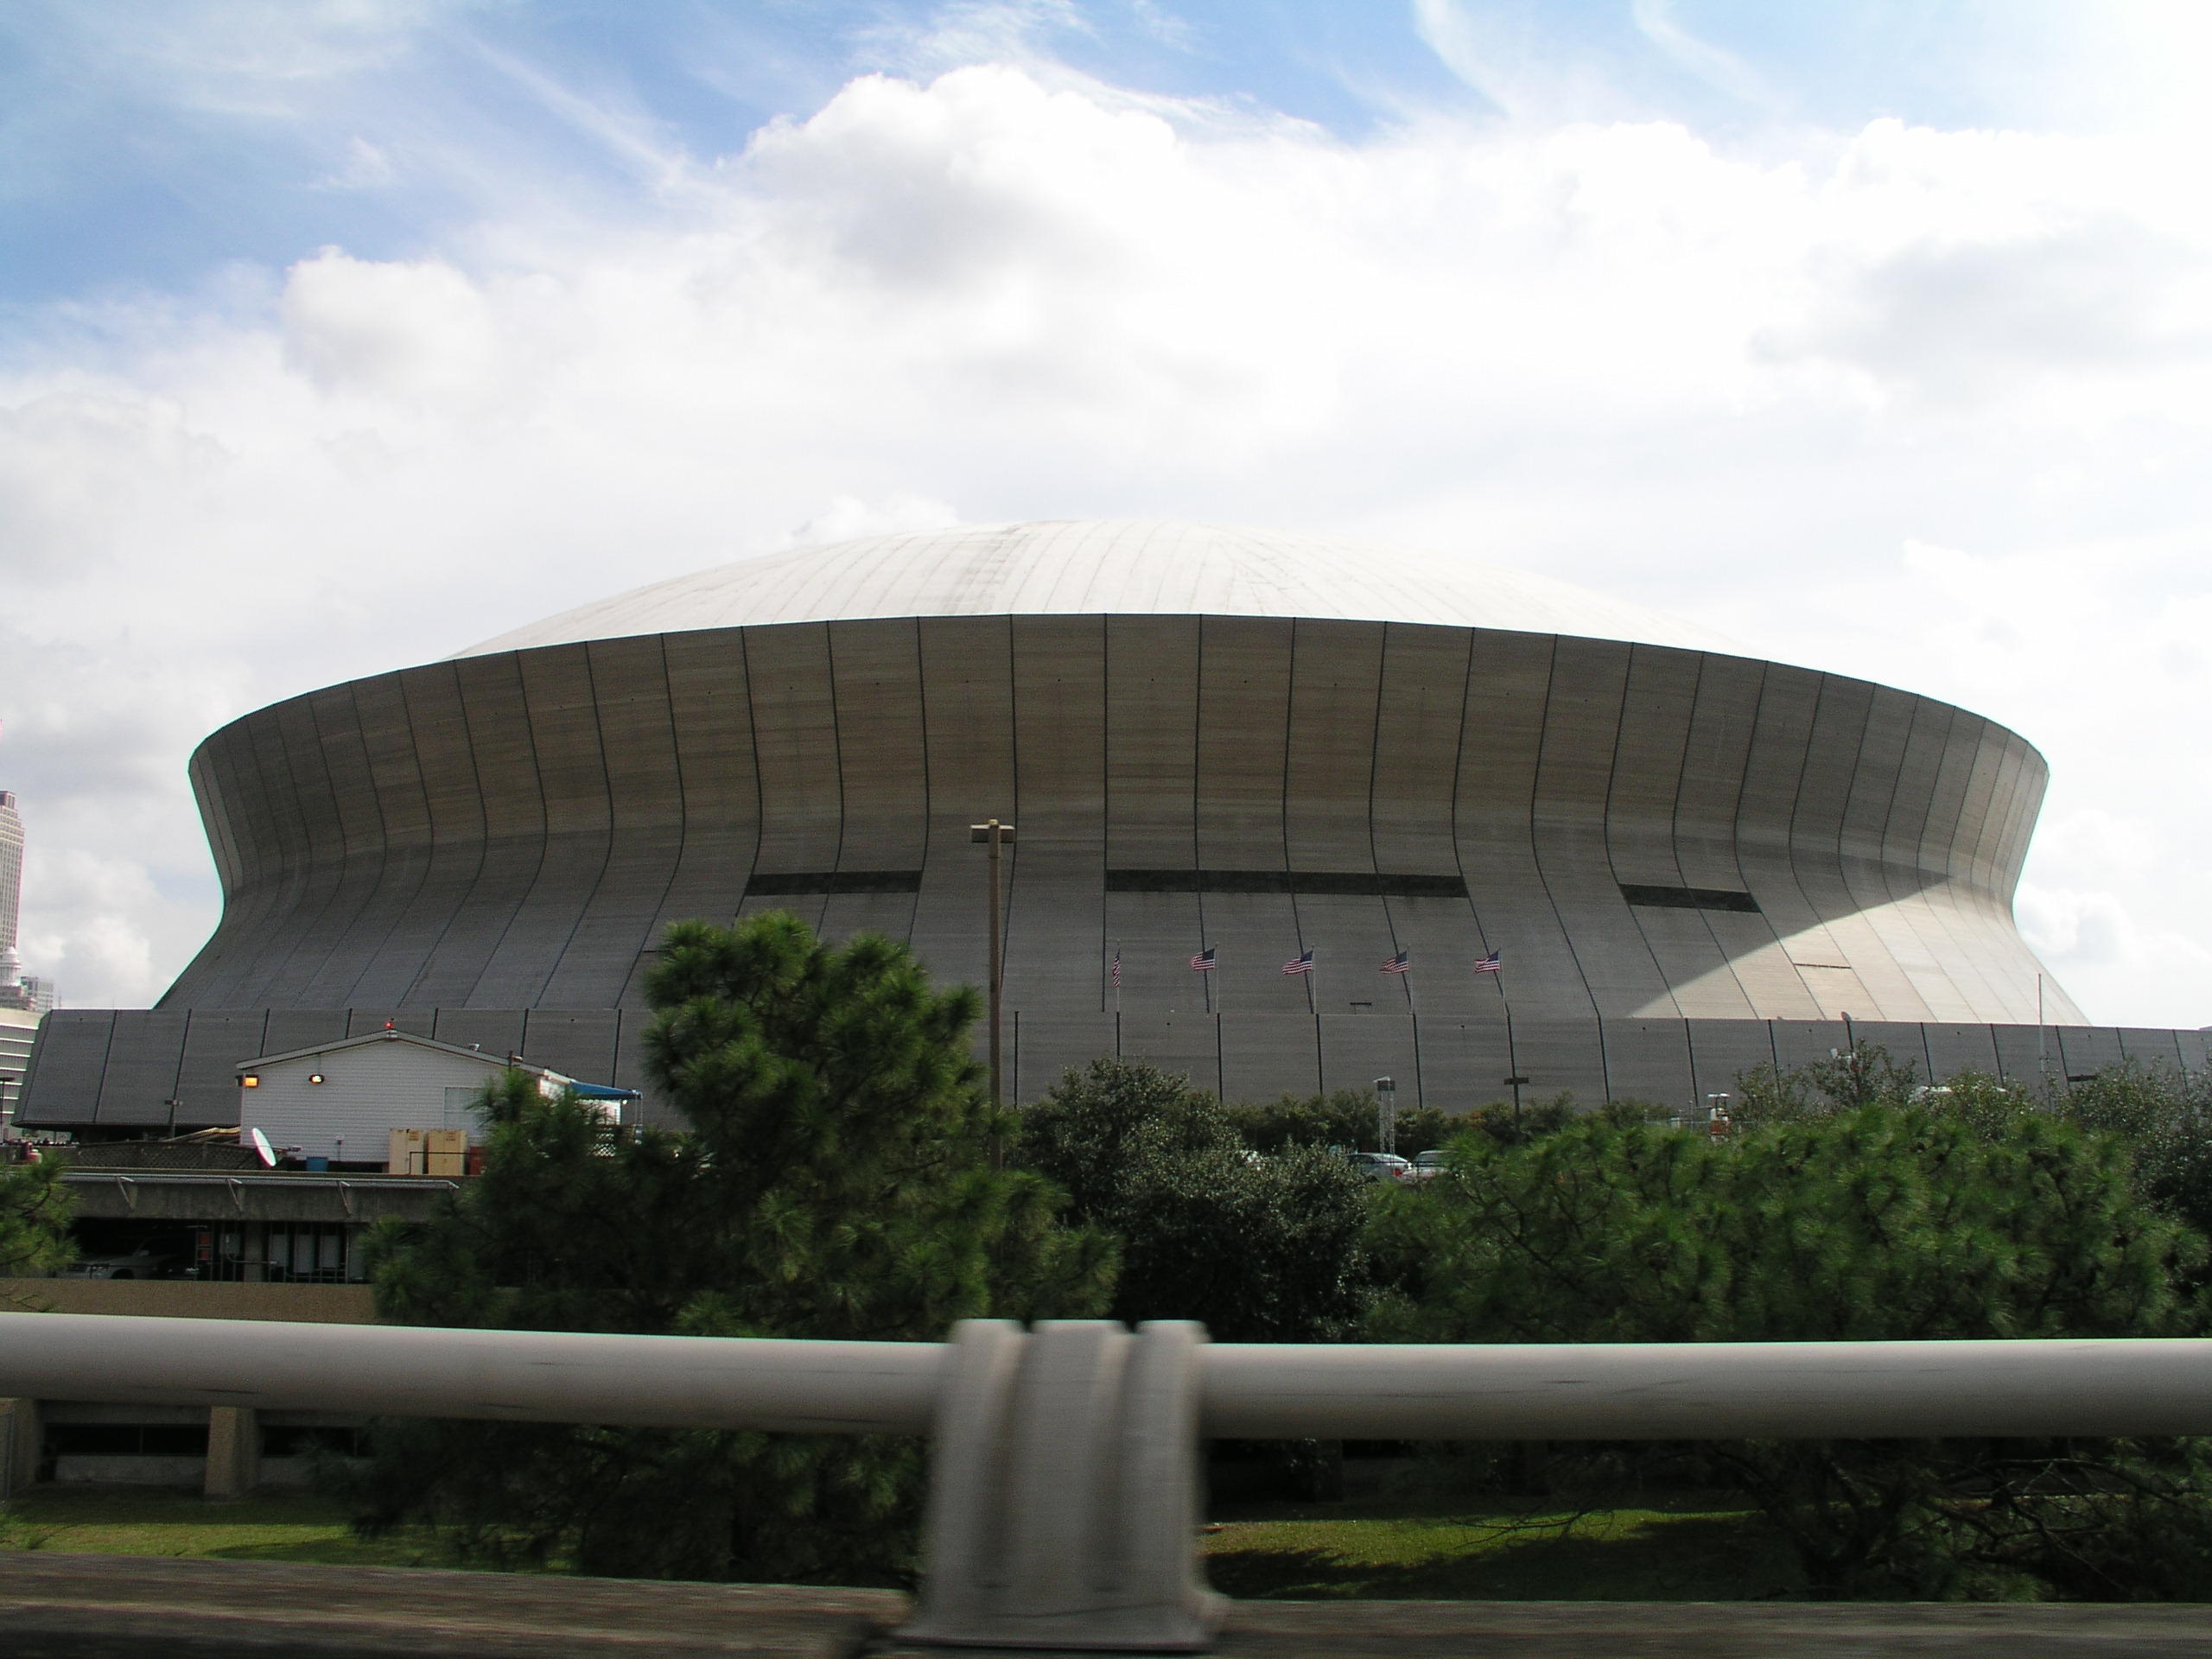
x: 992, y: 834
x: 2042, y: 1052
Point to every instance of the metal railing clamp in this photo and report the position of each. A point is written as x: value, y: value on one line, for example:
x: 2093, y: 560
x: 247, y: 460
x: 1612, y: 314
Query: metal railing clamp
x: 1063, y: 1494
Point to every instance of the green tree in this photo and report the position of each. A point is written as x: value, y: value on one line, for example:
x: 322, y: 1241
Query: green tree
x: 1512, y: 1126
x: 35, y: 1212
x: 1873, y: 1223
x: 1343, y: 1118
x: 1865, y: 1074
x: 836, y: 1180
x: 2163, y: 1117
x: 1260, y: 1249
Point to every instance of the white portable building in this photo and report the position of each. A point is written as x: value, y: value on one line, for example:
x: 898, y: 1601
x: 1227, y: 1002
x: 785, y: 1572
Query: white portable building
x: 342, y: 1101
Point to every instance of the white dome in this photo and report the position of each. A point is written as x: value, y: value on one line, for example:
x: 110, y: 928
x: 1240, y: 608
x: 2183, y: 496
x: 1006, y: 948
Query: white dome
x: 1117, y: 567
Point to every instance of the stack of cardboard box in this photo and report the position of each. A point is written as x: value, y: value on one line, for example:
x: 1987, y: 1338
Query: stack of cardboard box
x: 428, y: 1151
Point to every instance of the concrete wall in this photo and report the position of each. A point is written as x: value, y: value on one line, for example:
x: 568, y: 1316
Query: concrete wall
x: 1454, y: 1064
x: 184, y: 1299
x: 120, y: 1068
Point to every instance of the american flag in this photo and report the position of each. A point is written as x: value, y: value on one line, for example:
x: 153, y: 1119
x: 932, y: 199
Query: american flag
x: 1116, y: 974
x: 1397, y: 964
x: 1488, y: 965
x: 1300, y: 964
x: 1202, y: 963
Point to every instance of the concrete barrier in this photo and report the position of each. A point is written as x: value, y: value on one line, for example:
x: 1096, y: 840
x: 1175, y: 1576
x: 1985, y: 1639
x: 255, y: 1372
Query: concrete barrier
x: 191, y: 1299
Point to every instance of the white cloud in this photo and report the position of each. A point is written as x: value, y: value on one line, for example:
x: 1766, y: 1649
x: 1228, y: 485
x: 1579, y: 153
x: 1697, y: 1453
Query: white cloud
x: 1921, y: 405
x: 367, y: 167
x: 1716, y: 66
x: 255, y: 58
x: 406, y: 334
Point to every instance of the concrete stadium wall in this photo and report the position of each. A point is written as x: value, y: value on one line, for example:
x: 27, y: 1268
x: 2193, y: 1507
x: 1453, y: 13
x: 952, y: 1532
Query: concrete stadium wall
x: 114, y: 1069
x: 512, y: 831
x: 1691, y: 863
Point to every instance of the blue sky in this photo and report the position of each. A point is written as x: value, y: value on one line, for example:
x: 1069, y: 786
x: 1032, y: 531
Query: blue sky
x: 336, y: 334
x: 157, y: 143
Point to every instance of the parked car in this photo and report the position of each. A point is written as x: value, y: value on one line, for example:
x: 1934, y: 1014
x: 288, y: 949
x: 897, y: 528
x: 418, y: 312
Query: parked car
x: 1381, y: 1166
x: 137, y: 1264
x: 1427, y: 1166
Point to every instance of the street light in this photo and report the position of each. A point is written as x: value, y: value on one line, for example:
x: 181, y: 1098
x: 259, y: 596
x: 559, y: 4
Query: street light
x: 1386, y: 1114
x: 992, y: 834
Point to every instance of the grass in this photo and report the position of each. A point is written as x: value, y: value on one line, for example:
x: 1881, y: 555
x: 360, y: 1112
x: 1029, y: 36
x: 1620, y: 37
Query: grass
x: 269, y: 1527
x: 1398, y: 1545
x: 1403, y: 1548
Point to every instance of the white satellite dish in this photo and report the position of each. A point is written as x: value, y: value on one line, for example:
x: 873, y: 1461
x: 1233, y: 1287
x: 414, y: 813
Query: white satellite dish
x: 260, y: 1145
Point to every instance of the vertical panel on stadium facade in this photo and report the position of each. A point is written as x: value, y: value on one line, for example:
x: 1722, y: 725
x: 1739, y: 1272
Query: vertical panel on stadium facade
x: 1953, y: 1049
x: 1723, y: 1052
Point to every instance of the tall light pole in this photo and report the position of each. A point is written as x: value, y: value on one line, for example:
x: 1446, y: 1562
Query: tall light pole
x: 1515, y: 1083
x: 1386, y: 1114
x: 992, y: 834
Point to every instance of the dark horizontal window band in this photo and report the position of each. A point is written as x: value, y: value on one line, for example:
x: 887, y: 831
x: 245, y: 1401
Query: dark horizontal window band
x: 813, y: 882
x: 1691, y: 898
x: 1344, y: 883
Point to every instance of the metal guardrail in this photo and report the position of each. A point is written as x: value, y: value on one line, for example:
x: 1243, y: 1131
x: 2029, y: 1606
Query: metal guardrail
x: 1063, y: 1497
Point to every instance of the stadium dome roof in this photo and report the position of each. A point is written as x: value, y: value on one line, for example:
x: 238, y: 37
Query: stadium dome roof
x: 1117, y: 567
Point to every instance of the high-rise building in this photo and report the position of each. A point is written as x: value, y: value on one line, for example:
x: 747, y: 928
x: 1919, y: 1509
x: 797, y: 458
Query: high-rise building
x: 18, y: 1028
x: 20, y: 1008
x: 11, y: 887
x: 18, y: 991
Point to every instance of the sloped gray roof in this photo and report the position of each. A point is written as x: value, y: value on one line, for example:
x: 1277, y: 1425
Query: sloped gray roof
x: 1115, y: 567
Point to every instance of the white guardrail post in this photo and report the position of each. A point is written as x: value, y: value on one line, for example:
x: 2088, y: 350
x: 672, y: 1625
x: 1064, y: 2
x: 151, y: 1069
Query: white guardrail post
x: 1063, y: 1484
x: 1064, y: 1491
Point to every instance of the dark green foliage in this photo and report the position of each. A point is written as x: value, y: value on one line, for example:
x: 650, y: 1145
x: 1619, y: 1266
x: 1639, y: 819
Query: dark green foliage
x: 1876, y: 1221
x: 1865, y: 1074
x: 1502, y: 1123
x: 1344, y: 1117
x: 35, y: 1211
x: 1260, y: 1249
x: 2162, y: 1118
x: 1879, y: 1224
x: 836, y: 1181
x: 2167, y: 1121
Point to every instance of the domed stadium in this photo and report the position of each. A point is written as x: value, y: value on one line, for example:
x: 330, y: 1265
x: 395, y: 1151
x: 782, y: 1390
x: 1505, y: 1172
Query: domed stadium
x: 1291, y: 814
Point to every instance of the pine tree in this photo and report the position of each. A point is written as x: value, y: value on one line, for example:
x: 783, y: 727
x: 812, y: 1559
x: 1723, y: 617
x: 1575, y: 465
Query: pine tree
x: 1343, y: 1118
x: 834, y: 1179
x: 35, y: 1211
x: 1876, y: 1223
x: 1258, y: 1248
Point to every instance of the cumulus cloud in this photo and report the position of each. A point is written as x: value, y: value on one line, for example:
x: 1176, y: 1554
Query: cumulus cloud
x: 1917, y: 404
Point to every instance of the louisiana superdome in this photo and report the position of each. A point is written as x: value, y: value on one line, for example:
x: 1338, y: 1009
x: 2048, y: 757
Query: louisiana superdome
x: 1611, y: 852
